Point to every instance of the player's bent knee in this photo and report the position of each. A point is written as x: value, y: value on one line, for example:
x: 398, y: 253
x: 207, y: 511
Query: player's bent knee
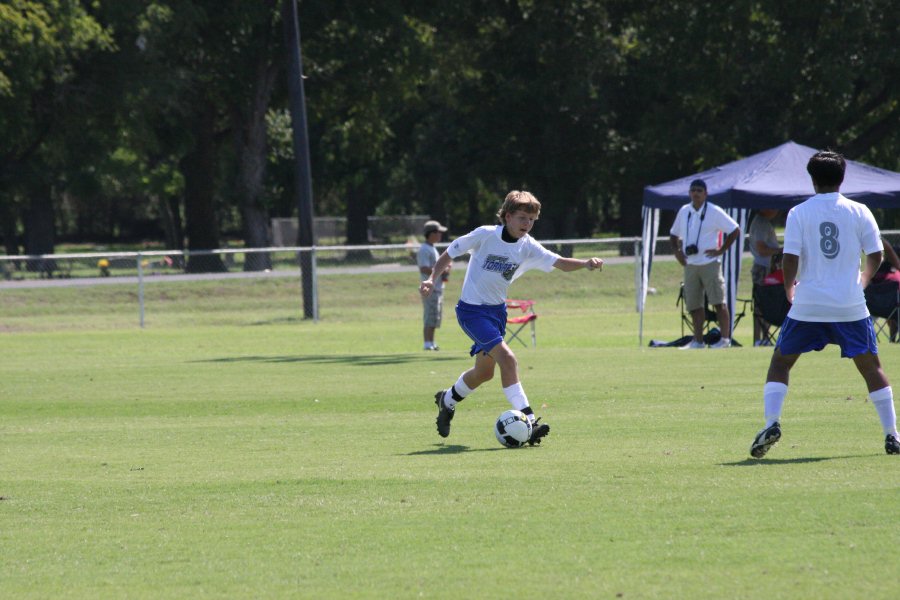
x: 485, y: 376
x: 482, y: 373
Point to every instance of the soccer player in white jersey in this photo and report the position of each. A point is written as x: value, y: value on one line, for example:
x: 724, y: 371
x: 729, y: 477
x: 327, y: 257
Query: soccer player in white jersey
x: 823, y: 240
x: 500, y: 254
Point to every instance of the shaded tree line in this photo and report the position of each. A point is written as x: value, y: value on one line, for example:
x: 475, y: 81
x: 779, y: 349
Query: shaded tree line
x: 167, y: 120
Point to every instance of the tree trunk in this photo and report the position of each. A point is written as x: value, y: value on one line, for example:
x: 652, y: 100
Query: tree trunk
x: 631, y: 219
x: 171, y: 223
x: 198, y: 167
x: 474, y: 218
x: 8, y: 224
x: 252, y: 169
x: 358, y: 222
x: 39, y: 230
x: 172, y: 229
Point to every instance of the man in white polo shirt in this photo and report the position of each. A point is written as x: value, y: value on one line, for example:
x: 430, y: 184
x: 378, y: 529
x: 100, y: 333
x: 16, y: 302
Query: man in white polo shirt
x: 824, y: 238
x: 701, y: 234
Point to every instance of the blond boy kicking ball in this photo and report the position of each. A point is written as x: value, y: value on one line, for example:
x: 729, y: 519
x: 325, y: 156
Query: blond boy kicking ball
x: 500, y: 254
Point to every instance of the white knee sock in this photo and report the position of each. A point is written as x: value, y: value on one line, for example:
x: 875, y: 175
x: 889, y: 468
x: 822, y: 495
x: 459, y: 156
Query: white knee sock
x: 516, y: 396
x: 773, y: 398
x: 456, y: 393
x: 883, y: 401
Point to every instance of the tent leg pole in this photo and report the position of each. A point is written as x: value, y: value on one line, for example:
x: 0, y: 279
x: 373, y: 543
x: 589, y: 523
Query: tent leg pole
x: 639, y: 276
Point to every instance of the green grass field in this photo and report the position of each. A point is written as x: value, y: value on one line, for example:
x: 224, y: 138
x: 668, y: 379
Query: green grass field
x: 232, y: 449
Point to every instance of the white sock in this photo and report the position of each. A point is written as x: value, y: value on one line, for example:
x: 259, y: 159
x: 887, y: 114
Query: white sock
x: 516, y: 396
x: 429, y: 345
x: 774, y: 393
x: 883, y: 401
x: 462, y: 390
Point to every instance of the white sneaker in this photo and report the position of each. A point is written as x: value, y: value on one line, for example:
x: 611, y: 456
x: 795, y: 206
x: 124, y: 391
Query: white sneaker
x: 694, y: 345
x: 723, y: 343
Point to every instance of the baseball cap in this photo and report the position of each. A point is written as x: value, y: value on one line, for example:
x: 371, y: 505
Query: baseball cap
x: 698, y: 183
x: 434, y: 226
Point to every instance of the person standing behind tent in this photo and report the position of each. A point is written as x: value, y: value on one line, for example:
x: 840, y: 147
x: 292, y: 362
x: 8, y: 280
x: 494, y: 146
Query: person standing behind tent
x: 763, y: 246
x: 696, y: 236
x: 433, y: 305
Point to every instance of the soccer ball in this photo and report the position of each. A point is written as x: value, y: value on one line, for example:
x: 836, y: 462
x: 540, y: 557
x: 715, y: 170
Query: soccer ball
x: 513, y: 429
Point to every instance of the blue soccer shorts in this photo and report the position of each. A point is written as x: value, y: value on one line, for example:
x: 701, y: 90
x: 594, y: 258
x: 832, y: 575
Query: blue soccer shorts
x: 485, y: 325
x: 854, y: 337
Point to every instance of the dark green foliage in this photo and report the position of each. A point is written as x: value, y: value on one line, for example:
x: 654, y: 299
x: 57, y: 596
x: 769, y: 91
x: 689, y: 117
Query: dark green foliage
x: 165, y: 120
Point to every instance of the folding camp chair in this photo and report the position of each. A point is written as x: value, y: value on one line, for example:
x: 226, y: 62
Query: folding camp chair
x: 883, y: 300
x: 518, y: 323
x: 711, y: 319
x: 771, y: 306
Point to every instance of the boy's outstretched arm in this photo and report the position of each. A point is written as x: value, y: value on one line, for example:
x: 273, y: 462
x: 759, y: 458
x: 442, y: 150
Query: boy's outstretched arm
x: 573, y: 264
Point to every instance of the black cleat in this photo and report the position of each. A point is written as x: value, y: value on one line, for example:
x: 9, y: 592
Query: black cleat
x: 445, y: 415
x: 538, y: 430
x: 765, y: 439
x: 892, y: 444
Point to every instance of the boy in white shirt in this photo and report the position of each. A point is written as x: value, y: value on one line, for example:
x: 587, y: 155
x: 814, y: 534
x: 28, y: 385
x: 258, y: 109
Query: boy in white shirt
x: 823, y: 239
x: 500, y: 255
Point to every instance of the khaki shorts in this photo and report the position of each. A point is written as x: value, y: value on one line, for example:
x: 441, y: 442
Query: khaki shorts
x: 433, y: 308
x: 703, y: 278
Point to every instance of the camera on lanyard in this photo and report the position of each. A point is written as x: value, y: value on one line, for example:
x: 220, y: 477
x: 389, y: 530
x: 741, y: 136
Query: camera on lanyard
x: 692, y: 249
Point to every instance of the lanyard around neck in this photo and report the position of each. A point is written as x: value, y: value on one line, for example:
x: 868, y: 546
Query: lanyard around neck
x: 700, y: 226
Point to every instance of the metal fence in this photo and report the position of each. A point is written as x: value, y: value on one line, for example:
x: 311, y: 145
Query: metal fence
x: 141, y: 269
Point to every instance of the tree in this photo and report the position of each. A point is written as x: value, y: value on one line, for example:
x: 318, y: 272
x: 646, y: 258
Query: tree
x: 258, y: 50
x: 363, y: 84
x: 113, y: 114
x: 707, y: 82
x: 45, y: 49
x: 224, y: 58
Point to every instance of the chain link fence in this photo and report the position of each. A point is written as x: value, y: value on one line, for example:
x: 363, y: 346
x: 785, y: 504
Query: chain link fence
x: 142, y: 269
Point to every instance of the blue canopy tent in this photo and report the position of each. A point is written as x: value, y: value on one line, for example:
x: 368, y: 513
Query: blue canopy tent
x: 775, y: 178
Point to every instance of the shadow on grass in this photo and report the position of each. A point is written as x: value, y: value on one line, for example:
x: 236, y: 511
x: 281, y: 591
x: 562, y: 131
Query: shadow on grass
x: 451, y: 449
x: 749, y: 462
x: 359, y: 360
x: 278, y: 321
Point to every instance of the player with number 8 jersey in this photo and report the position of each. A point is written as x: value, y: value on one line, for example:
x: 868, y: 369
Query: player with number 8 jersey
x: 829, y: 232
x: 824, y: 238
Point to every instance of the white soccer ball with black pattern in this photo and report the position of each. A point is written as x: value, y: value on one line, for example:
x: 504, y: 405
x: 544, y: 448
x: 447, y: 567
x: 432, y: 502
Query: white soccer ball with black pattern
x: 513, y: 429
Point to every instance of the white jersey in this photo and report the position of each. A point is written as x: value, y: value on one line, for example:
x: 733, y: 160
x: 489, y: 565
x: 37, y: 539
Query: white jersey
x: 704, y: 227
x: 427, y: 256
x: 829, y: 233
x: 495, y: 264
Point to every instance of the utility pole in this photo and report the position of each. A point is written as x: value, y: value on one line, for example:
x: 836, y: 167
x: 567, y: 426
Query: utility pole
x: 302, y: 170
